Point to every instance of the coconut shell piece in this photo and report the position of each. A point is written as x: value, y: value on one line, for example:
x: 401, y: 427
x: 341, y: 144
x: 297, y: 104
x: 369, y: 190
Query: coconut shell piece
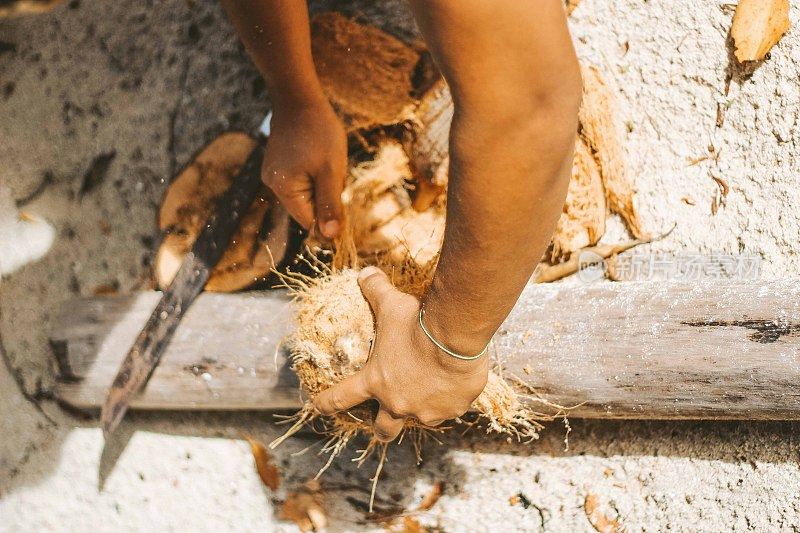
x: 189, y: 202
x: 365, y: 72
x: 583, y: 219
x: 757, y: 26
x: 600, y: 129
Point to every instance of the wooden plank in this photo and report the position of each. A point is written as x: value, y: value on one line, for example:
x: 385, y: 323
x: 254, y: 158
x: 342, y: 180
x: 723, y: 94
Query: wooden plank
x: 712, y: 349
x: 224, y: 356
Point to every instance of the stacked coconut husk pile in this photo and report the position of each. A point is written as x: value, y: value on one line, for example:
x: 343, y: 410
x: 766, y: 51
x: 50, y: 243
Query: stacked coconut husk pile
x: 397, y: 110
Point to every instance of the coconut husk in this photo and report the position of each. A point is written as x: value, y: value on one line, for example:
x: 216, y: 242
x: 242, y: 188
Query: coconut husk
x: 600, y: 129
x: 757, y: 26
x: 365, y: 72
x: 583, y: 219
x: 189, y: 202
x: 385, y: 224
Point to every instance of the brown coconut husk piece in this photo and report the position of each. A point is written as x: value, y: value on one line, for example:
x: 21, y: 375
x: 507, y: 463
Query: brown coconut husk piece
x: 189, y: 202
x: 600, y: 129
x: 757, y: 26
x: 366, y: 73
x: 583, y: 219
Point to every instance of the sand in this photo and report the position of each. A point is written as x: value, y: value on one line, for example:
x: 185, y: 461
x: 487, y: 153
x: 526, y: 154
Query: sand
x: 154, y: 83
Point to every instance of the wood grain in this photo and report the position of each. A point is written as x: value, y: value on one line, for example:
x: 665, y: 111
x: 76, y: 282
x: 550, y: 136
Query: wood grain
x: 713, y: 349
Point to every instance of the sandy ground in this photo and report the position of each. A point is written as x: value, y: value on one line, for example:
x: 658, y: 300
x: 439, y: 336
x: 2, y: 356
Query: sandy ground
x: 152, y: 82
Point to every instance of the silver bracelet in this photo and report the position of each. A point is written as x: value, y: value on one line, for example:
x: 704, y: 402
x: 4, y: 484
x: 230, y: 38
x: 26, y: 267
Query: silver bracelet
x: 444, y: 348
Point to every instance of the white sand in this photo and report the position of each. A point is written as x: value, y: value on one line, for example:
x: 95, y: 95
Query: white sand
x: 154, y: 83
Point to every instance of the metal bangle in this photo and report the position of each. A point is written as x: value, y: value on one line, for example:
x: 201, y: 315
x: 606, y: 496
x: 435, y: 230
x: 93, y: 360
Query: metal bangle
x: 444, y: 348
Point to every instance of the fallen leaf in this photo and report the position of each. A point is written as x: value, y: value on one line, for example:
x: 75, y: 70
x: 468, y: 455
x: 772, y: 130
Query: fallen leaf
x: 599, y: 521
x: 305, y: 507
x: 267, y: 471
x: 431, y: 498
x: 571, y: 5
x: 105, y: 289
x: 757, y: 26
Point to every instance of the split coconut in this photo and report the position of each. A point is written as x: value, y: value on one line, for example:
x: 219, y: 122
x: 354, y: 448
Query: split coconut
x: 189, y: 202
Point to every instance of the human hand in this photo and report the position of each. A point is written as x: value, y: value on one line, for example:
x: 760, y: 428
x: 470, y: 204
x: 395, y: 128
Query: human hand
x: 305, y: 164
x: 405, y: 372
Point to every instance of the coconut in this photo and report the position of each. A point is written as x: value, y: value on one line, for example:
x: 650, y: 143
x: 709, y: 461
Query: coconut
x: 332, y: 340
x: 189, y: 202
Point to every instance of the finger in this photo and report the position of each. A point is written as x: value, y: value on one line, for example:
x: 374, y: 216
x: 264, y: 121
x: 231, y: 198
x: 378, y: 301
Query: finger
x: 347, y: 393
x: 374, y: 285
x: 386, y: 427
x: 328, y: 202
x: 296, y: 200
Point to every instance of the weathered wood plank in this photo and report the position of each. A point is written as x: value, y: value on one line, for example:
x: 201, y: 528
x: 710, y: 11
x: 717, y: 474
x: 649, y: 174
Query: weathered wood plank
x: 662, y: 350
x: 224, y: 355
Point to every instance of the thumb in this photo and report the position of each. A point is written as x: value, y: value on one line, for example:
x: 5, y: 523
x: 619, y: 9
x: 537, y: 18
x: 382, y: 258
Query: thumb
x: 374, y: 285
x: 328, y: 203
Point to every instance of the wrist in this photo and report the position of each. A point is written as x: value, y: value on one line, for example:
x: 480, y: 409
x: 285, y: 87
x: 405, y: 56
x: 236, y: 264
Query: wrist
x: 290, y: 102
x: 451, y: 330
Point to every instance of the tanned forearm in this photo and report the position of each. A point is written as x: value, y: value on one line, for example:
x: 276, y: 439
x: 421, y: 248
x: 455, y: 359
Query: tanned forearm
x: 306, y: 159
x: 277, y: 37
x: 515, y: 81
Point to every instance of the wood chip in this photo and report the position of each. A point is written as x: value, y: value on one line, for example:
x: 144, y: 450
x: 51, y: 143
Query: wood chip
x: 266, y: 469
x: 597, y: 518
x: 757, y: 26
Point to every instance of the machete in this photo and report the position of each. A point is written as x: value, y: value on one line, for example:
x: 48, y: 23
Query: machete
x: 144, y: 356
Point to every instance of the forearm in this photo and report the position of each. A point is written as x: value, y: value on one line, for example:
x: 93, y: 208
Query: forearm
x: 515, y: 84
x: 277, y: 37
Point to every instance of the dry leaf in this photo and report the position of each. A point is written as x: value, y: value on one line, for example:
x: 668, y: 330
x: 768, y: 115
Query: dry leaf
x: 757, y: 26
x: 431, y: 498
x: 26, y: 7
x: 305, y: 507
x: 599, y: 521
x: 105, y: 289
x: 571, y: 5
x: 267, y: 471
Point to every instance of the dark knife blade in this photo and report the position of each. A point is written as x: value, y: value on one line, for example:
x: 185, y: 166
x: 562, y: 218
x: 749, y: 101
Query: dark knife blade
x: 195, y: 270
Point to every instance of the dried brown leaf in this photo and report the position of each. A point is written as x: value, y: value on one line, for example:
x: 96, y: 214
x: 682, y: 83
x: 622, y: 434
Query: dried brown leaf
x: 105, y: 289
x: 305, y: 507
x: 431, y: 498
x: 266, y: 469
x: 757, y: 26
x: 572, y: 5
x: 597, y: 518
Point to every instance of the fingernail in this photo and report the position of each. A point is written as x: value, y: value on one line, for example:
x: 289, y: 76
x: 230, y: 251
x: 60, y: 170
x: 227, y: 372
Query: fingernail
x: 331, y: 229
x: 368, y: 271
